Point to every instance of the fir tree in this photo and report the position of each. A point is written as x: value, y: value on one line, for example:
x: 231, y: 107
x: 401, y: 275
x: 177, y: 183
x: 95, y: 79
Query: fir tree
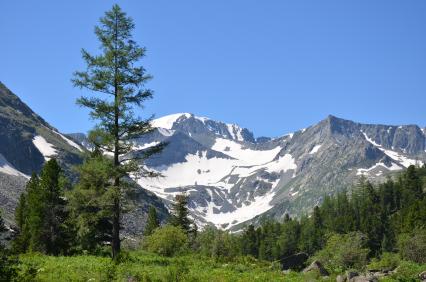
x: 114, y: 74
x: 41, y: 213
x: 152, y: 221
x: 180, y: 214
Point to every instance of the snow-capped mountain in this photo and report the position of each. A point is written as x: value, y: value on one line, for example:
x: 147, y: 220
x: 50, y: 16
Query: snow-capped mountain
x: 232, y: 178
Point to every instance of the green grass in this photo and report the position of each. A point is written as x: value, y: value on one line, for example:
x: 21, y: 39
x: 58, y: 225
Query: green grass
x: 142, y: 266
x: 147, y: 267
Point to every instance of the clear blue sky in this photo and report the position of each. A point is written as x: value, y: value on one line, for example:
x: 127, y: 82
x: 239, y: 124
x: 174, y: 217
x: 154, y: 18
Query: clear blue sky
x: 272, y: 66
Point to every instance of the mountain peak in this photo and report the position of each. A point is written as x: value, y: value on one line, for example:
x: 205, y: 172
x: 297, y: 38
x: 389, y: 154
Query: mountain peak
x: 193, y: 125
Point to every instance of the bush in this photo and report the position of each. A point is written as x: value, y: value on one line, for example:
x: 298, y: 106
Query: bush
x: 413, y: 247
x: 408, y: 271
x: 387, y: 261
x: 167, y: 241
x: 343, y: 252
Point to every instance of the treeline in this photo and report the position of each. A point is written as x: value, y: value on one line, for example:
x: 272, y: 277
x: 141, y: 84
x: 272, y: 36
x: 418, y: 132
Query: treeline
x: 346, y: 231
x: 369, y: 221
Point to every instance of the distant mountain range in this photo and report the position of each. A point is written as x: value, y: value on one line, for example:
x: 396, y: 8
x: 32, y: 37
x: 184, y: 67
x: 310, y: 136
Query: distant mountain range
x: 231, y: 177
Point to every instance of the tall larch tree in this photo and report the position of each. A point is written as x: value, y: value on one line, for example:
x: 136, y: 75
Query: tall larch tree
x: 119, y: 83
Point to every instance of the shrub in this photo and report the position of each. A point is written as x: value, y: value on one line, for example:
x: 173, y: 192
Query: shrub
x: 408, y: 271
x: 167, y: 241
x: 344, y: 252
x: 387, y: 261
x: 413, y: 247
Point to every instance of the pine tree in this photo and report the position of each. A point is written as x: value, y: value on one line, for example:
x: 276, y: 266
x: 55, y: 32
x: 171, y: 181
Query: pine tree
x: 152, y: 221
x: 180, y: 214
x: 115, y: 76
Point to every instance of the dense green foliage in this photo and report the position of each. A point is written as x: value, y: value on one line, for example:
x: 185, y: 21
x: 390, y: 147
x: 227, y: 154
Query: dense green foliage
x: 89, y: 204
x: 115, y: 76
x: 344, y: 251
x: 167, y: 241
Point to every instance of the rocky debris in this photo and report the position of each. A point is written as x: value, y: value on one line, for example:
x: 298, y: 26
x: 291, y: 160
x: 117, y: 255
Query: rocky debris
x: 317, y: 266
x: 294, y: 262
x: 370, y: 276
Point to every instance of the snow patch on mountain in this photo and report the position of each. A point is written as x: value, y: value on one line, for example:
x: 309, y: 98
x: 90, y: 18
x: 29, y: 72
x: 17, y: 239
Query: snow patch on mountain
x: 168, y: 121
x: 145, y: 146
x: 6, y: 167
x: 246, y: 156
x: 315, y: 149
x: 196, y: 170
x: 403, y: 160
x: 45, y: 148
x: 364, y: 171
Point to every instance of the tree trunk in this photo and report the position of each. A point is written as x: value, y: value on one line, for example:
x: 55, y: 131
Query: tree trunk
x: 116, y: 221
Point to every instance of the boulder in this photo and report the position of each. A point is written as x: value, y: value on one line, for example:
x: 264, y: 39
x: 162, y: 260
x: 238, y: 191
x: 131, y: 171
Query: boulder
x: 364, y: 279
x: 317, y: 266
x: 294, y: 262
x: 341, y: 278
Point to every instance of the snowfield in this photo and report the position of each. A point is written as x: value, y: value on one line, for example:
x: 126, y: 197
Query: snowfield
x: 45, y: 148
x: 6, y: 167
x: 197, y: 169
x: 167, y: 122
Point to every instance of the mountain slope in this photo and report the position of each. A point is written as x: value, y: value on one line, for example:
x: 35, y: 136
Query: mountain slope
x: 27, y: 141
x: 231, y: 177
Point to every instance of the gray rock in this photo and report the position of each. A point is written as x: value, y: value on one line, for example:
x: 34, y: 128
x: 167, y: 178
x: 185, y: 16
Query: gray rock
x: 341, y: 278
x: 317, y: 266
